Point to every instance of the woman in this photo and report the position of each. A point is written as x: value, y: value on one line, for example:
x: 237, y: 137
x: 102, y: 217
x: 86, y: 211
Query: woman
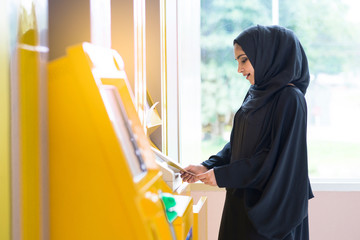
x: 264, y: 166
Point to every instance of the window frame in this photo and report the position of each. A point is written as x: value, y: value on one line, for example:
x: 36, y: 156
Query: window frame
x: 180, y: 75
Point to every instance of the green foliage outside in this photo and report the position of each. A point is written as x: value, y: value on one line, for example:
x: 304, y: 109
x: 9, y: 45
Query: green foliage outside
x: 222, y: 88
x: 329, y: 154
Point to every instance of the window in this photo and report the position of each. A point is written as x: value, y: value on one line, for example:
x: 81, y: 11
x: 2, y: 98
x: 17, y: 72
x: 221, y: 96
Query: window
x: 329, y: 33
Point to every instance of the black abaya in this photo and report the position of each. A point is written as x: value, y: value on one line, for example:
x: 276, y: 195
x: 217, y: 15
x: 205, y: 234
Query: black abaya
x: 264, y: 166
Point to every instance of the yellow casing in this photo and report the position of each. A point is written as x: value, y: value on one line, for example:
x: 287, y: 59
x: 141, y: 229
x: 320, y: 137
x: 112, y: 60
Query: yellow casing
x: 183, y: 224
x: 5, y: 190
x: 29, y: 127
x: 92, y: 192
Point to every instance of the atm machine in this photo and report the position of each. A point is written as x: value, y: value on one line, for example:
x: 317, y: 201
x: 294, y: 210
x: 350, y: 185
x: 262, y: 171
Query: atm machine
x: 104, y: 180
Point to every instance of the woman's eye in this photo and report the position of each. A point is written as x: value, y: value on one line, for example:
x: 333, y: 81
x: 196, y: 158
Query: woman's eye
x: 243, y: 60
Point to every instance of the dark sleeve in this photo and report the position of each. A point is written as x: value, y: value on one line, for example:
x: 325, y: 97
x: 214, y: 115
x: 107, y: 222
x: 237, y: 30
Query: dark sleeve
x: 221, y: 158
x: 280, y: 172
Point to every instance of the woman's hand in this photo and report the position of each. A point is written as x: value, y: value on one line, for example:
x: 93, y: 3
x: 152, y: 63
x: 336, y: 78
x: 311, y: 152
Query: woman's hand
x: 191, y: 173
x: 208, y: 178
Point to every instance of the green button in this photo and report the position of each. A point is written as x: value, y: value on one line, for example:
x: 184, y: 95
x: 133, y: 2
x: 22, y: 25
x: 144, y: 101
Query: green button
x: 169, y: 202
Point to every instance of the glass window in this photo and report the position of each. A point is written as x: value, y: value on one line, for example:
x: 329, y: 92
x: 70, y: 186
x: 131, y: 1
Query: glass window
x: 329, y: 33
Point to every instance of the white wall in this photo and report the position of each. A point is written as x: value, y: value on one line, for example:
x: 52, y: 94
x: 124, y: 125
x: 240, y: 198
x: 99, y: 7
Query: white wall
x: 332, y: 215
x: 122, y: 34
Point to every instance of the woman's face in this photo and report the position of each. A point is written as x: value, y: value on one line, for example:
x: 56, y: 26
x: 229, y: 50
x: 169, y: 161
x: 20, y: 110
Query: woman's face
x: 244, y: 65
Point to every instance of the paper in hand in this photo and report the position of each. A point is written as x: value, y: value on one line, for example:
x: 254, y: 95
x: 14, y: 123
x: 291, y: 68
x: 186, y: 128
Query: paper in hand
x: 175, y: 166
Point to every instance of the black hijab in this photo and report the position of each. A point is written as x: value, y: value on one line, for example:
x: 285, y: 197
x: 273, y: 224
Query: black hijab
x: 278, y: 59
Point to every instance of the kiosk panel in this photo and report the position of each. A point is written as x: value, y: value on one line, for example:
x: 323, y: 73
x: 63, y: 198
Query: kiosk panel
x: 121, y: 124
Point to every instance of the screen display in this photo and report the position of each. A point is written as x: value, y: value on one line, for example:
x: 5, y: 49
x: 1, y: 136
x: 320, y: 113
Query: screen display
x: 122, y: 127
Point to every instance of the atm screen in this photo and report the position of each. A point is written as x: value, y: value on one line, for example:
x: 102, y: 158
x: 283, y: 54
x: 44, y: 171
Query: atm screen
x: 122, y: 127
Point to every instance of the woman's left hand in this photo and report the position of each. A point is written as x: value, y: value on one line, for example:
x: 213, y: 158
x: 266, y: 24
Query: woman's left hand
x: 208, y: 178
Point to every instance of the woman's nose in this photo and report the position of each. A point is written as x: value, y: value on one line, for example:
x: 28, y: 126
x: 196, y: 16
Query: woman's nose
x: 240, y: 69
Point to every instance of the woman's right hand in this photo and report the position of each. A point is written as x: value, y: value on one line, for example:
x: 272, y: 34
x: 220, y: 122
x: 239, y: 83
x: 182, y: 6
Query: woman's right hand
x: 191, y: 173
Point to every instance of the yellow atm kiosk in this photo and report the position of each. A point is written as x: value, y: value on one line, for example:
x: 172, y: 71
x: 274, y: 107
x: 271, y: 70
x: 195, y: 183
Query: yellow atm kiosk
x: 104, y: 181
